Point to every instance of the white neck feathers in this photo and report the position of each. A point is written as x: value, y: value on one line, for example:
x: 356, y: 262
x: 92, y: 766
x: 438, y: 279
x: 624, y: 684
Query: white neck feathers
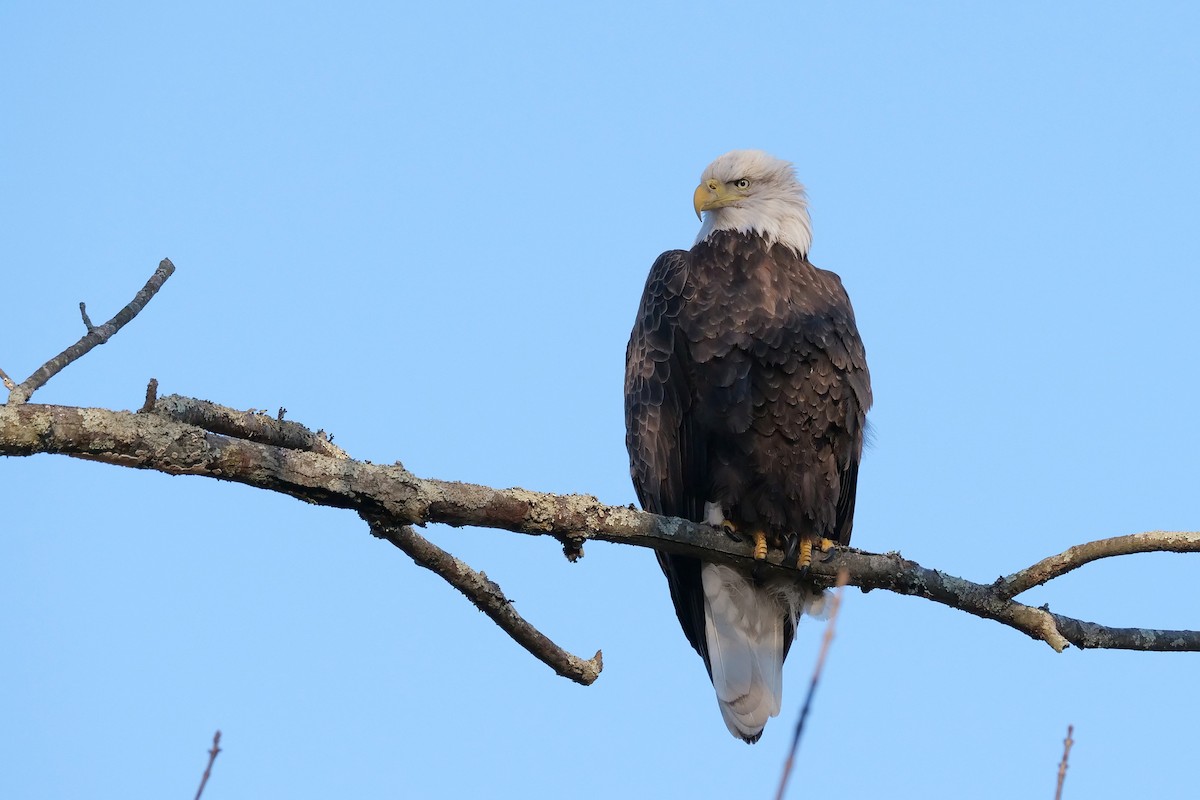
x: 776, y: 207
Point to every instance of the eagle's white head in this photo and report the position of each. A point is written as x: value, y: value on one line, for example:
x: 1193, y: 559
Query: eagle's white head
x: 752, y: 192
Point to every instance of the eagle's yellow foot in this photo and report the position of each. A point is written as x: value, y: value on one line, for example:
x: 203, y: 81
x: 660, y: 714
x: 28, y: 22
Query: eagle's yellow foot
x: 804, y: 560
x: 730, y: 530
x: 807, y: 545
x: 760, y: 546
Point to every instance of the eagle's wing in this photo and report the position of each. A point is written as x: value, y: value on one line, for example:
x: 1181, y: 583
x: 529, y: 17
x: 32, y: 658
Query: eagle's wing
x: 846, y: 354
x: 656, y: 394
x: 665, y: 461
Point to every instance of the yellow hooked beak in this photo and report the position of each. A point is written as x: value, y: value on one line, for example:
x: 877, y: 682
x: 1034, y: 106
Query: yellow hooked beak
x: 712, y: 193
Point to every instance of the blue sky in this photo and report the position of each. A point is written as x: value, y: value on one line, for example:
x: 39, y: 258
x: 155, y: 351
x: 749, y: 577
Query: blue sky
x: 426, y: 230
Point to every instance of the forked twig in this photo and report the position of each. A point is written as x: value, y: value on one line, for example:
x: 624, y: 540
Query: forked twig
x: 842, y: 578
x: 212, y: 756
x: 93, y: 337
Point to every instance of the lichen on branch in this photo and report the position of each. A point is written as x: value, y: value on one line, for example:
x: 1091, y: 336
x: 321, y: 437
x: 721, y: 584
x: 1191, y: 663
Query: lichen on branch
x: 185, y: 436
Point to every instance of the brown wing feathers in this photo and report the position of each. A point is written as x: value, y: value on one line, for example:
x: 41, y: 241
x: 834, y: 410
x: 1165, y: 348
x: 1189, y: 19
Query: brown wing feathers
x: 746, y: 384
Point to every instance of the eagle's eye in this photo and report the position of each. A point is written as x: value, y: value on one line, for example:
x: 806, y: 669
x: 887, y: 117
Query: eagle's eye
x: 742, y: 183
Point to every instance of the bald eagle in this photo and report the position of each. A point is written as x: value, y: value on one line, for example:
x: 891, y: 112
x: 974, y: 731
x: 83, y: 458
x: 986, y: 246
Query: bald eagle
x: 746, y: 393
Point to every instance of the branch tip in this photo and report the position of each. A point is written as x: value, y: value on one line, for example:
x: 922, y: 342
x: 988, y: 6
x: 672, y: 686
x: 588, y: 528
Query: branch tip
x: 212, y: 756
x: 151, y: 397
x: 1062, y: 767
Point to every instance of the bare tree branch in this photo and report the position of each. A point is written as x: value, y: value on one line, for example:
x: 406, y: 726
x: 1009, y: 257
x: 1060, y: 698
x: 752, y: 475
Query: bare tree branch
x: 251, y: 425
x: 183, y: 436
x: 488, y: 598
x: 159, y: 441
x: 1074, y: 557
x: 7, y: 381
x: 93, y: 337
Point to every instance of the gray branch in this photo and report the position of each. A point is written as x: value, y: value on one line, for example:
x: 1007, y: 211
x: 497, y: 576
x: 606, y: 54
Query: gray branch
x: 1075, y: 557
x: 488, y: 598
x: 184, y: 436
x: 254, y: 449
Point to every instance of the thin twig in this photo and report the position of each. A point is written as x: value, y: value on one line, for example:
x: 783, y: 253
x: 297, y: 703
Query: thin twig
x: 93, y: 337
x: 842, y: 578
x: 212, y: 756
x: 487, y: 596
x: 87, y: 321
x: 8, y: 382
x: 1062, y: 767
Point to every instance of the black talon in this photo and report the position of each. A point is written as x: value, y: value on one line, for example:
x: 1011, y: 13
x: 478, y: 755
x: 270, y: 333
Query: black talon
x: 729, y: 531
x: 793, y: 548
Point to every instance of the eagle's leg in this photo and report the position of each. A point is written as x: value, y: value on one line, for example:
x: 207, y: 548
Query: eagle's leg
x: 759, y: 570
x: 807, y: 545
x: 804, y: 560
x: 760, y: 546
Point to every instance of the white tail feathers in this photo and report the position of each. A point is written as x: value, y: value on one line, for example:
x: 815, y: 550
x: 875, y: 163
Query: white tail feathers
x: 745, y: 625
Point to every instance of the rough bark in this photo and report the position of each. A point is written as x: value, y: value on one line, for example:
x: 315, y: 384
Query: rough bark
x: 184, y: 436
x: 265, y: 452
